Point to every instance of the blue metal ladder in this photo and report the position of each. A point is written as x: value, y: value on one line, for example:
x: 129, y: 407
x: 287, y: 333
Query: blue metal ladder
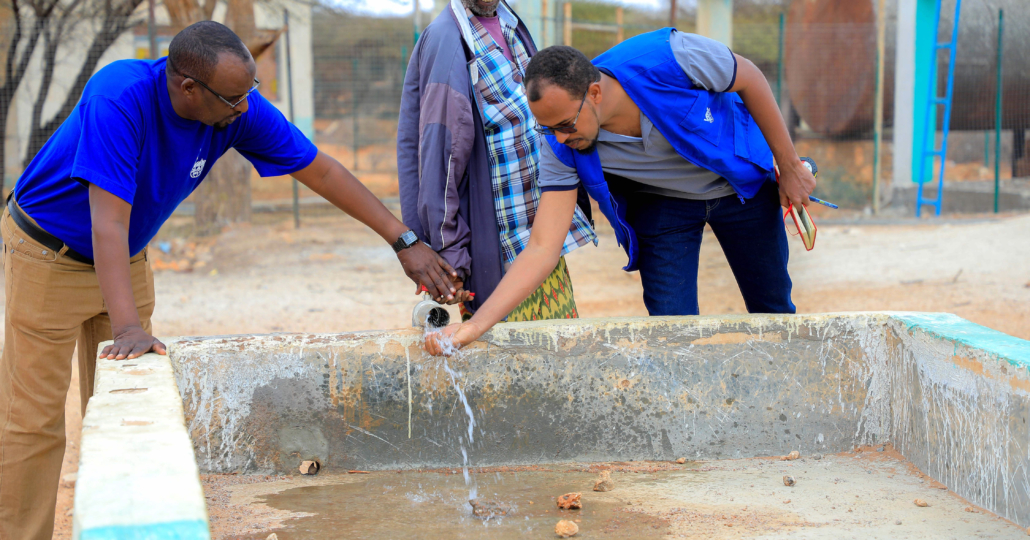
x: 930, y: 141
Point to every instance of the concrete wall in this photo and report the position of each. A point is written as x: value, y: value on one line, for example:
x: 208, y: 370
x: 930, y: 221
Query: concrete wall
x: 137, y: 477
x: 591, y: 390
x: 954, y: 397
x: 958, y: 399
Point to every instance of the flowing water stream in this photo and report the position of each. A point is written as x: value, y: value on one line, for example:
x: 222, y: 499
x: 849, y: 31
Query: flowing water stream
x: 450, y: 351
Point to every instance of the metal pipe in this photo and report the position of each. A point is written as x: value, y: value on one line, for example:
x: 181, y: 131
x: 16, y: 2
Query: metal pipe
x: 997, y: 110
x: 417, y: 21
x: 567, y: 12
x: 620, y: 34
x: 545, y: 14
x: 779, y: 62
x: 289, y: 103
x: 354, y: 97
x: 151, y: 29
x: 429, y: 314
x: 881, y: 40
x: 987, y: 148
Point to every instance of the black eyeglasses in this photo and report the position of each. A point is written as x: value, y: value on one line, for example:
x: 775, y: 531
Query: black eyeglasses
x: 219, y: 96
x: 571, y: 128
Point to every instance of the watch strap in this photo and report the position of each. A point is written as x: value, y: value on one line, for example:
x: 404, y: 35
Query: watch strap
x: 406, y: 240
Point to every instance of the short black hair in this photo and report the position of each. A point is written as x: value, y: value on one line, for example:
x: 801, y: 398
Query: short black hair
x: 563, y: 66
x: 194, y: 51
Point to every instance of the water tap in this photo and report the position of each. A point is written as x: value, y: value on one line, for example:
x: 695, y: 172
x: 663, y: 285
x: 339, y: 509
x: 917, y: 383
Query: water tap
x: 430, y: 314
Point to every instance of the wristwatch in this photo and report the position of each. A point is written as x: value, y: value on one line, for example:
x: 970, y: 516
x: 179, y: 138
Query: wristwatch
x: 406, y: 240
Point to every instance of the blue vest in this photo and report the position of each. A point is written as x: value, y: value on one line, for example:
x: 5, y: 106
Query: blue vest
x: 712, y: 130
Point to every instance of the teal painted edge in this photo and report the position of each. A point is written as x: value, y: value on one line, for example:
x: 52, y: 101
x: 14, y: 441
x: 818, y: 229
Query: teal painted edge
x: 959, y: 330
x: 172, y: 530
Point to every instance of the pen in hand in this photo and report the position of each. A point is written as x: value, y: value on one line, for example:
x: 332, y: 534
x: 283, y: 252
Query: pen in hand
x: 822, y: 202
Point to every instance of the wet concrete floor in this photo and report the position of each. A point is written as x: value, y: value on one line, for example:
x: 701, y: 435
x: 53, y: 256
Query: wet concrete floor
x: 863, y: 495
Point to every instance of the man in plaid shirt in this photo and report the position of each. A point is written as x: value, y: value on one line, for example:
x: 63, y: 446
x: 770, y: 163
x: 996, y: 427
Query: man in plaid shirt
x: 468, y: 154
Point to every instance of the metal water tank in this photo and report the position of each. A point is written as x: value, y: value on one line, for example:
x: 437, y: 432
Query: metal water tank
x: 830, y: 64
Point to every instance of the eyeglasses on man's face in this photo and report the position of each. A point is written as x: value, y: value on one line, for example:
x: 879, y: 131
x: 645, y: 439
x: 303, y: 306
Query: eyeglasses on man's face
x: 219, y: 96
x: 571, y: 128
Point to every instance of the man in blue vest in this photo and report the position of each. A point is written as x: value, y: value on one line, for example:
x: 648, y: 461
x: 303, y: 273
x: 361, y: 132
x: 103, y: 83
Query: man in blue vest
x: 668, y: 132
x: 142, y: 137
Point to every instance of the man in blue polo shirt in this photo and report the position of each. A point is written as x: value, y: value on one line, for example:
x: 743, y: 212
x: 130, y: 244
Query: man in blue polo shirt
x: 143, y: 136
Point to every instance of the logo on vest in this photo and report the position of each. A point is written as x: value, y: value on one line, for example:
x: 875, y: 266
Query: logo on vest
x: 198, y: 168
x: 708, y: 116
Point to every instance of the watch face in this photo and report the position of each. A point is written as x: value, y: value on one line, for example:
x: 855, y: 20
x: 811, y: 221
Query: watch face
x: 406, y: 240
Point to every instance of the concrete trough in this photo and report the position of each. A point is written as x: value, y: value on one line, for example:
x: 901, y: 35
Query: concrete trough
x: 953, y: 397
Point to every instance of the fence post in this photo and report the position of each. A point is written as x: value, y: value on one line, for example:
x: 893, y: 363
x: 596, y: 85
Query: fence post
x: 779, y: 62
x: 416, y: 22
x: 881, y: 29
x: 997, y: 111
x: 987, y: 148
x: 620, y: 35
x: 354, y: 97
x: 151, y: 30
x: 289, y: 105
x: 568, y: 24
x: 545, y: 38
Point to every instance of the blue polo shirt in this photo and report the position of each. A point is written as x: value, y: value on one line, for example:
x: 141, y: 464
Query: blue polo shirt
x: 125, y: 138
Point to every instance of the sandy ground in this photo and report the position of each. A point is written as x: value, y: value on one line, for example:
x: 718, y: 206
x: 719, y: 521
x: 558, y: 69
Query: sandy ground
x: 868, y: 494
x: 333, y: 275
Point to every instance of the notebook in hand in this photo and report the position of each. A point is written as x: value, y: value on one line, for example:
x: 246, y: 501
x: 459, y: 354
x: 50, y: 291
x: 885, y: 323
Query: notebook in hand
x: 803, y: 223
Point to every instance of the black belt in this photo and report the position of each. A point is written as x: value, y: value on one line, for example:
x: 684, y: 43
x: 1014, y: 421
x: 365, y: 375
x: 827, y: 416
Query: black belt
x: 36, y: 233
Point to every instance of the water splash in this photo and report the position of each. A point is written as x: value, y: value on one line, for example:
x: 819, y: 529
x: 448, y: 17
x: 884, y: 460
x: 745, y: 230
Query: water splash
x: 464, y: 400
x: 451, y: 351
x: 447, y: 346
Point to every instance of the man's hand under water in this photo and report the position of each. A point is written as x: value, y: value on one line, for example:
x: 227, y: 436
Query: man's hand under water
x: 448, y: 340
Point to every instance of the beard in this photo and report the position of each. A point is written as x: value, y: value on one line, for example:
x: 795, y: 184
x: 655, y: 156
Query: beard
x: 225, y: 123
x: 588, y: 149
x: 480, y: 11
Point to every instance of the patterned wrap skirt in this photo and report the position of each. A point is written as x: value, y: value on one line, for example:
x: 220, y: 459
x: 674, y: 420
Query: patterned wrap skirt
x: 552, y: 300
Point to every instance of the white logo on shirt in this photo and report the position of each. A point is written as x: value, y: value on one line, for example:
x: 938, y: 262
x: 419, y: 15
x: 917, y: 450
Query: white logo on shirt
x: 708, y: 116
x: 198, y: 168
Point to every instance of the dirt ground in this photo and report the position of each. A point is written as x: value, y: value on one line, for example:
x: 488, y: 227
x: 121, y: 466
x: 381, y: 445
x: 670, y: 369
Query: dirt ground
x: 333, y: 275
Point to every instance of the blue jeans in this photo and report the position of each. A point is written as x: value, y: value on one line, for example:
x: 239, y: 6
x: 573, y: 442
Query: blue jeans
x: 752, y: 236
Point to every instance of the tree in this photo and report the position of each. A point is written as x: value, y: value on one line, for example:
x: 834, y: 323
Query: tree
x: 224, y: 197
x: 24, y: 24
x: 111, y: 19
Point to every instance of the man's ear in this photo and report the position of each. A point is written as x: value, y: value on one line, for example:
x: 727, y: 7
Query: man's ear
x: 595, y: 92
x: 187, y: 86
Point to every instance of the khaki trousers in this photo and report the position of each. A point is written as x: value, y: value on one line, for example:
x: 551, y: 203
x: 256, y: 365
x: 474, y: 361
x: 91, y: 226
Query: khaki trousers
x: 52, y: 302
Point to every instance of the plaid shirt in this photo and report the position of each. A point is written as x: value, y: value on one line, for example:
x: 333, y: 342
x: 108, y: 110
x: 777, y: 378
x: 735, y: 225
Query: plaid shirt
x: 512, y: 143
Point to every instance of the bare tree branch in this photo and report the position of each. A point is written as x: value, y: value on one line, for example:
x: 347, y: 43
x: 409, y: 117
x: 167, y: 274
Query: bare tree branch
x: 15, y: 66
x: 116, y: 17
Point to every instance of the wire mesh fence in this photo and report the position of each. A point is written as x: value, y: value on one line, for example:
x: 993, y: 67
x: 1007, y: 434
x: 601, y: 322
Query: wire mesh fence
x: 823, y: 71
